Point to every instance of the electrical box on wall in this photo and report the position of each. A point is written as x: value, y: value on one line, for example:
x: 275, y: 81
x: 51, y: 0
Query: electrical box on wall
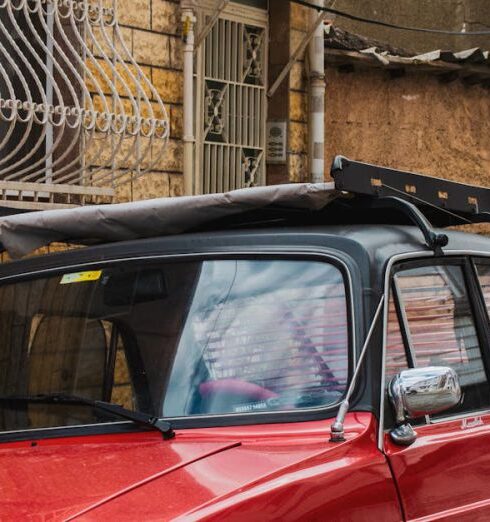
x: 276, y: 142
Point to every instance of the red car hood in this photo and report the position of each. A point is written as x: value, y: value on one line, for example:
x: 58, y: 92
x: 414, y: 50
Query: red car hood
x: 142, y: 477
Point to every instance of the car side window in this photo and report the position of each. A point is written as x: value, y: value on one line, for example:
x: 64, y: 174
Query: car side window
x: 431, y: 317
x: 396, y: 358
x: 483, y: 271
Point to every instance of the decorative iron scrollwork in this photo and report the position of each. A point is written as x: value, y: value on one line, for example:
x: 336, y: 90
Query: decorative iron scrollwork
x: 251, y: 162
x: 75, y: 107
x: 253, y: 68
x: 215, y: 116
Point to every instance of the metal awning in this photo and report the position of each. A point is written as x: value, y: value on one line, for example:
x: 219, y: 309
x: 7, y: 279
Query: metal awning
x: 77, y: 113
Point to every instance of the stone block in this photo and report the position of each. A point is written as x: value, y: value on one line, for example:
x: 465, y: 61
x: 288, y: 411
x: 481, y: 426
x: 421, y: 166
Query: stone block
x: 105, y: 49
x: 165, y: 17
x: 124, y: 193
x: 99, y: 76
x: 129, y: 81
x: 176, y: 121
x: 297, y: 77
x: 154, y: 111
x: 98, y: 150
x: 176, y: 53
x: 298, y: 168
x: 298, y: 137
x: 169, y: 84
x: 176, y: 185
x: 296, y: 38
x: 171, y: 158
x: 151, y: 48
x: 150, y: 186
x: 300, y: 17
x: 298, y: 106
x: 134, y: 13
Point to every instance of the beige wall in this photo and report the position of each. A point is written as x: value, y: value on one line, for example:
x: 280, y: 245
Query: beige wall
x: 151, y: 29
x: 452, y: 15
x: 298, y: 99
x: 414, y: 123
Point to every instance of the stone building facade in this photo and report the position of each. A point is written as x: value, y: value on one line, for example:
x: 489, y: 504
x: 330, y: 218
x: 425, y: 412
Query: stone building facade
x: 406, y: 117
x: 152, y: 29
x: 415, y: 121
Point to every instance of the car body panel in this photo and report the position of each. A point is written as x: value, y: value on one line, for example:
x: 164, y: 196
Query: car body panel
x: 286, y: 471
x: 283, y: 471
x: 444, y: 474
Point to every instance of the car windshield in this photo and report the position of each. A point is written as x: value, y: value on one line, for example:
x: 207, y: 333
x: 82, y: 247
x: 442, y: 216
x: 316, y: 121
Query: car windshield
x: 175, y: 339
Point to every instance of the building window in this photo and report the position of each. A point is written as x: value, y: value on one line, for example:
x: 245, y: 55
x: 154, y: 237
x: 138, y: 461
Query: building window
x: 231, y: 101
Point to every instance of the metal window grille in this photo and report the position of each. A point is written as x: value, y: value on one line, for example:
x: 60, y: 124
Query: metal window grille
x: 231, y: 102
x: 77, y: 115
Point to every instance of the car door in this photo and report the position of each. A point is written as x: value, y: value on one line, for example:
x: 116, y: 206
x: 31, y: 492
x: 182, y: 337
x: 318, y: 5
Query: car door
x: 437, y: 317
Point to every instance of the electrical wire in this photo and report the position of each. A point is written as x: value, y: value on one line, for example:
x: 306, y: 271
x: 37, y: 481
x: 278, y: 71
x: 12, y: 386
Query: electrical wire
x: 372, y: 21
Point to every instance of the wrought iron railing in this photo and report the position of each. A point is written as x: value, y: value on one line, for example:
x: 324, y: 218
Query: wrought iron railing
x: 78, y: 117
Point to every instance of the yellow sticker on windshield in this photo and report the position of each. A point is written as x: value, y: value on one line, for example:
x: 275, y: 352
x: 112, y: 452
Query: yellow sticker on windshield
x: 81, y: 277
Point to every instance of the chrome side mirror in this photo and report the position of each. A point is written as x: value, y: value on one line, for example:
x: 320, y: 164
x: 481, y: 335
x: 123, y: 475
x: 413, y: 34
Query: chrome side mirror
x: 418, y: 392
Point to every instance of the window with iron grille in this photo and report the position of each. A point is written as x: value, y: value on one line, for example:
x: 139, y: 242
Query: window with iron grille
x: 231, y: 102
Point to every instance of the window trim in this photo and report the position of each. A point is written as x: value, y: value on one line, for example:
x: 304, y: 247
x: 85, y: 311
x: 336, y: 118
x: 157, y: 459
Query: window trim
x: 403, y: 322
x: 464, y: 264
x: 336, y: 258
x: 467, y: 256
x: 475, y: 261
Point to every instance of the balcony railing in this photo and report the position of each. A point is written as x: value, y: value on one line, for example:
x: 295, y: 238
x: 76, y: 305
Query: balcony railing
x: 77, y: 115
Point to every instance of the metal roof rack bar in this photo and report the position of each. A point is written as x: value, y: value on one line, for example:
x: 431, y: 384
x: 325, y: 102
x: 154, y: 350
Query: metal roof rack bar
x: 443, y: 202
x: 434, y: 240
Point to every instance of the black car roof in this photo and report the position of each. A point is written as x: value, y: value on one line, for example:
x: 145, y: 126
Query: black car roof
x: 361, y: 193
x: 370, y: 244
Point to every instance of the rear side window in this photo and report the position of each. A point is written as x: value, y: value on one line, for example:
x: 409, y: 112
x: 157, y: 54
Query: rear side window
x: 431, y: 315
x: 483, y: 270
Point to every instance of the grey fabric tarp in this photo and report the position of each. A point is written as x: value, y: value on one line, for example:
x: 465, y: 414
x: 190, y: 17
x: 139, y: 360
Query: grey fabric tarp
x: 22, y: 233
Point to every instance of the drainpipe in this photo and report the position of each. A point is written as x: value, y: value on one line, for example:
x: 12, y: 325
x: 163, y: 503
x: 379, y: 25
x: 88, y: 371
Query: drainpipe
x: 317, y: 99
x: 188, y: 22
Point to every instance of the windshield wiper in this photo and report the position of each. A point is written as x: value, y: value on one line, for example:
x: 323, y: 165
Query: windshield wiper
x: 138, y: 417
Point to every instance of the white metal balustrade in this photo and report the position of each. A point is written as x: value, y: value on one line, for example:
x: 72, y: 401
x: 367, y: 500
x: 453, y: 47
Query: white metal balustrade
x: 77, y: 115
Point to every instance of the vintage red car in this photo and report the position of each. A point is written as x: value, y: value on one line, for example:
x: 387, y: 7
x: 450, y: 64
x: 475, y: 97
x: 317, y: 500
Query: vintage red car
x: 300, y: 352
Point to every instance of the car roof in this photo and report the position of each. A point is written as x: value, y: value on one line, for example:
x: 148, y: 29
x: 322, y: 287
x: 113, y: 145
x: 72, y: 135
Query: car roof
x: 372, y: 245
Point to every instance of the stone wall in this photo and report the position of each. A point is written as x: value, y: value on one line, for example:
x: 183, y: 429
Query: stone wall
x: 288, y: 26
x: 412, y: 123
x: 151, y: 31
x: 298, y: 99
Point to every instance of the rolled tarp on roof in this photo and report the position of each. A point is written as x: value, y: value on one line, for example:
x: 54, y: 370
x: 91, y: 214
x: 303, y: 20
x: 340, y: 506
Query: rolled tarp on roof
x: 23, y: 233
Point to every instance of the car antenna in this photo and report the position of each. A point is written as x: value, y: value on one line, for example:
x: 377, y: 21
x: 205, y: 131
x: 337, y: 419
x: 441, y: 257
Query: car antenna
x: 337, y: 427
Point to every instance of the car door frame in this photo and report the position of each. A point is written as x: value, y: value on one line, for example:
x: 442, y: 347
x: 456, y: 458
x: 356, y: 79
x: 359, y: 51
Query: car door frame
x: 469, y: 420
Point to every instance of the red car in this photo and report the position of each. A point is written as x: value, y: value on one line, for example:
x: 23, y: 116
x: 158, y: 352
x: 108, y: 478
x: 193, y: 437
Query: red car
x: 300, y: 352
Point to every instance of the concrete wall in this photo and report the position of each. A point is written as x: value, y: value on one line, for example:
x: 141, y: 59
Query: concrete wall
x: 453, y: 15
x: 414, y: 123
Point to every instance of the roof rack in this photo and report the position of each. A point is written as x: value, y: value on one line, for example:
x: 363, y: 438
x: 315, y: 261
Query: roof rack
x: 444, y: 203
x: 362, y: 193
